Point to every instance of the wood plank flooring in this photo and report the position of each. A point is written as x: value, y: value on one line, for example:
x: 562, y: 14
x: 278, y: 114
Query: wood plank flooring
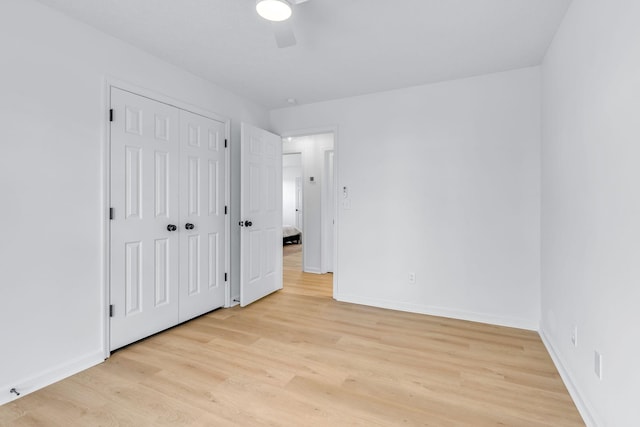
x: 299, y: 358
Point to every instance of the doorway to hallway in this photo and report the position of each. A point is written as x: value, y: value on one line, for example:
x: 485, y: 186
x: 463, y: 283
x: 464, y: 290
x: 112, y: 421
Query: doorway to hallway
x: 309, y: 206
x: 308, y: 198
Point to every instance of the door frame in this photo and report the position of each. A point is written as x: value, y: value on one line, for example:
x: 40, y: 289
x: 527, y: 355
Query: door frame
x: 333, y: 129
x: 109, y: 83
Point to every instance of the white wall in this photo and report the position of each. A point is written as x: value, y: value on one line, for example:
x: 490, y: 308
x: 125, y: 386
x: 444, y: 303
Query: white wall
x: 291, y: 169
x: 51, y: 183
x: 591, y: 206
x: 312, y: 148
x: 444, y: 182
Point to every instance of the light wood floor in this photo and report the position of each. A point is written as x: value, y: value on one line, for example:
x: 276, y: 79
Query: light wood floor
x: 299, y: 358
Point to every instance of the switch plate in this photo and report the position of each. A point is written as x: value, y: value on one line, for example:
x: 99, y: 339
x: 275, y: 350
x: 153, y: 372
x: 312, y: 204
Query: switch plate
x: 574, y: 336
x: 598, y: 364
x: 412, y: 277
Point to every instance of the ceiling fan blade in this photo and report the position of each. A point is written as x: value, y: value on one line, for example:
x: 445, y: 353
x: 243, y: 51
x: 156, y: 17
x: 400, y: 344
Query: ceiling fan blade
x: 283, y: 31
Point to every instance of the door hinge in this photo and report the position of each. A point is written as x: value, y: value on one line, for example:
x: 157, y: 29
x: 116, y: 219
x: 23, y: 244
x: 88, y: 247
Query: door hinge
x: 225, y: 210
x: 111, y: 310
x: 111, y: 115
x: 225, y: 277
x: 111, y: 213
x: 225, y: 143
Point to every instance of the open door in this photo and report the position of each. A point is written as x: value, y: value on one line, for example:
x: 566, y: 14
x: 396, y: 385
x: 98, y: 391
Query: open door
x: 260, y: 214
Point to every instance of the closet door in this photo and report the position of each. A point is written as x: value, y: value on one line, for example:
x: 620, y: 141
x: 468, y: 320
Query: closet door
x: 145, y: 144
x: 202, y: 222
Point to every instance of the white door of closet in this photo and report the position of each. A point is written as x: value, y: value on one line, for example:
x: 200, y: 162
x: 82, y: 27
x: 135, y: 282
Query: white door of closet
x: 260, y: 214
x: 144, y: 262
x: 203, y: 222
x: 168, y: 232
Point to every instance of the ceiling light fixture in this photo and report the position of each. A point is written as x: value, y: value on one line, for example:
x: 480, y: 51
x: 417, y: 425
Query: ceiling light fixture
x: 274, y: 10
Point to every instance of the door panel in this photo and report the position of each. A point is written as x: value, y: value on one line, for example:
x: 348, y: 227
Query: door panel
x: 162, y: 281
x: 202, y: 199
x: 144, y: 196
x: 261, y: 205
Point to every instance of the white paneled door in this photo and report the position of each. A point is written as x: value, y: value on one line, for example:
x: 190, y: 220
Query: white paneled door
x: 298, y: 202
x: 260, y: 214
x: 202, y: 204
x: 168, y: 227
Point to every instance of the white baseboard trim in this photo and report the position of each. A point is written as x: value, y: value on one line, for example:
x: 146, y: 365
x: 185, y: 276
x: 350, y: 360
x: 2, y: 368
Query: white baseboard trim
x: 313, y: 270
x: 49, y: 376
x: 441, y: 312
x: 584, y: 407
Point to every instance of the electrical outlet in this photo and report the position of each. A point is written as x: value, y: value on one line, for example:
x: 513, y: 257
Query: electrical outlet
x: 412, y: 277
x: 574, y: 336
x: 598, y: 364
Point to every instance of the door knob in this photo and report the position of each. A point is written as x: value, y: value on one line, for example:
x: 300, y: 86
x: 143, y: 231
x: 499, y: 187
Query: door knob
x: 171, y: 227
x: 248, y: 223
x: 189, y: 226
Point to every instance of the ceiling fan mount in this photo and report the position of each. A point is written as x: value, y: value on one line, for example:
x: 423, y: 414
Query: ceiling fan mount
x: 279, y: 12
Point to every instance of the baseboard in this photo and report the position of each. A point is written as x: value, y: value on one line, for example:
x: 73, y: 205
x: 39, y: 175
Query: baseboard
x: 50, y: 376
x: 441, y: 312
x: 313, y: 270
x: 586, y: 410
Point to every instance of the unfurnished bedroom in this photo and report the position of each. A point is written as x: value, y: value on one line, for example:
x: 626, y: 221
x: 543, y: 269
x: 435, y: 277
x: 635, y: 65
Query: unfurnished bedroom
x: 319, y: 213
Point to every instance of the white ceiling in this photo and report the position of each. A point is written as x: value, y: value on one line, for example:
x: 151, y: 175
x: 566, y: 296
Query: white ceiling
x: 345, y: 47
